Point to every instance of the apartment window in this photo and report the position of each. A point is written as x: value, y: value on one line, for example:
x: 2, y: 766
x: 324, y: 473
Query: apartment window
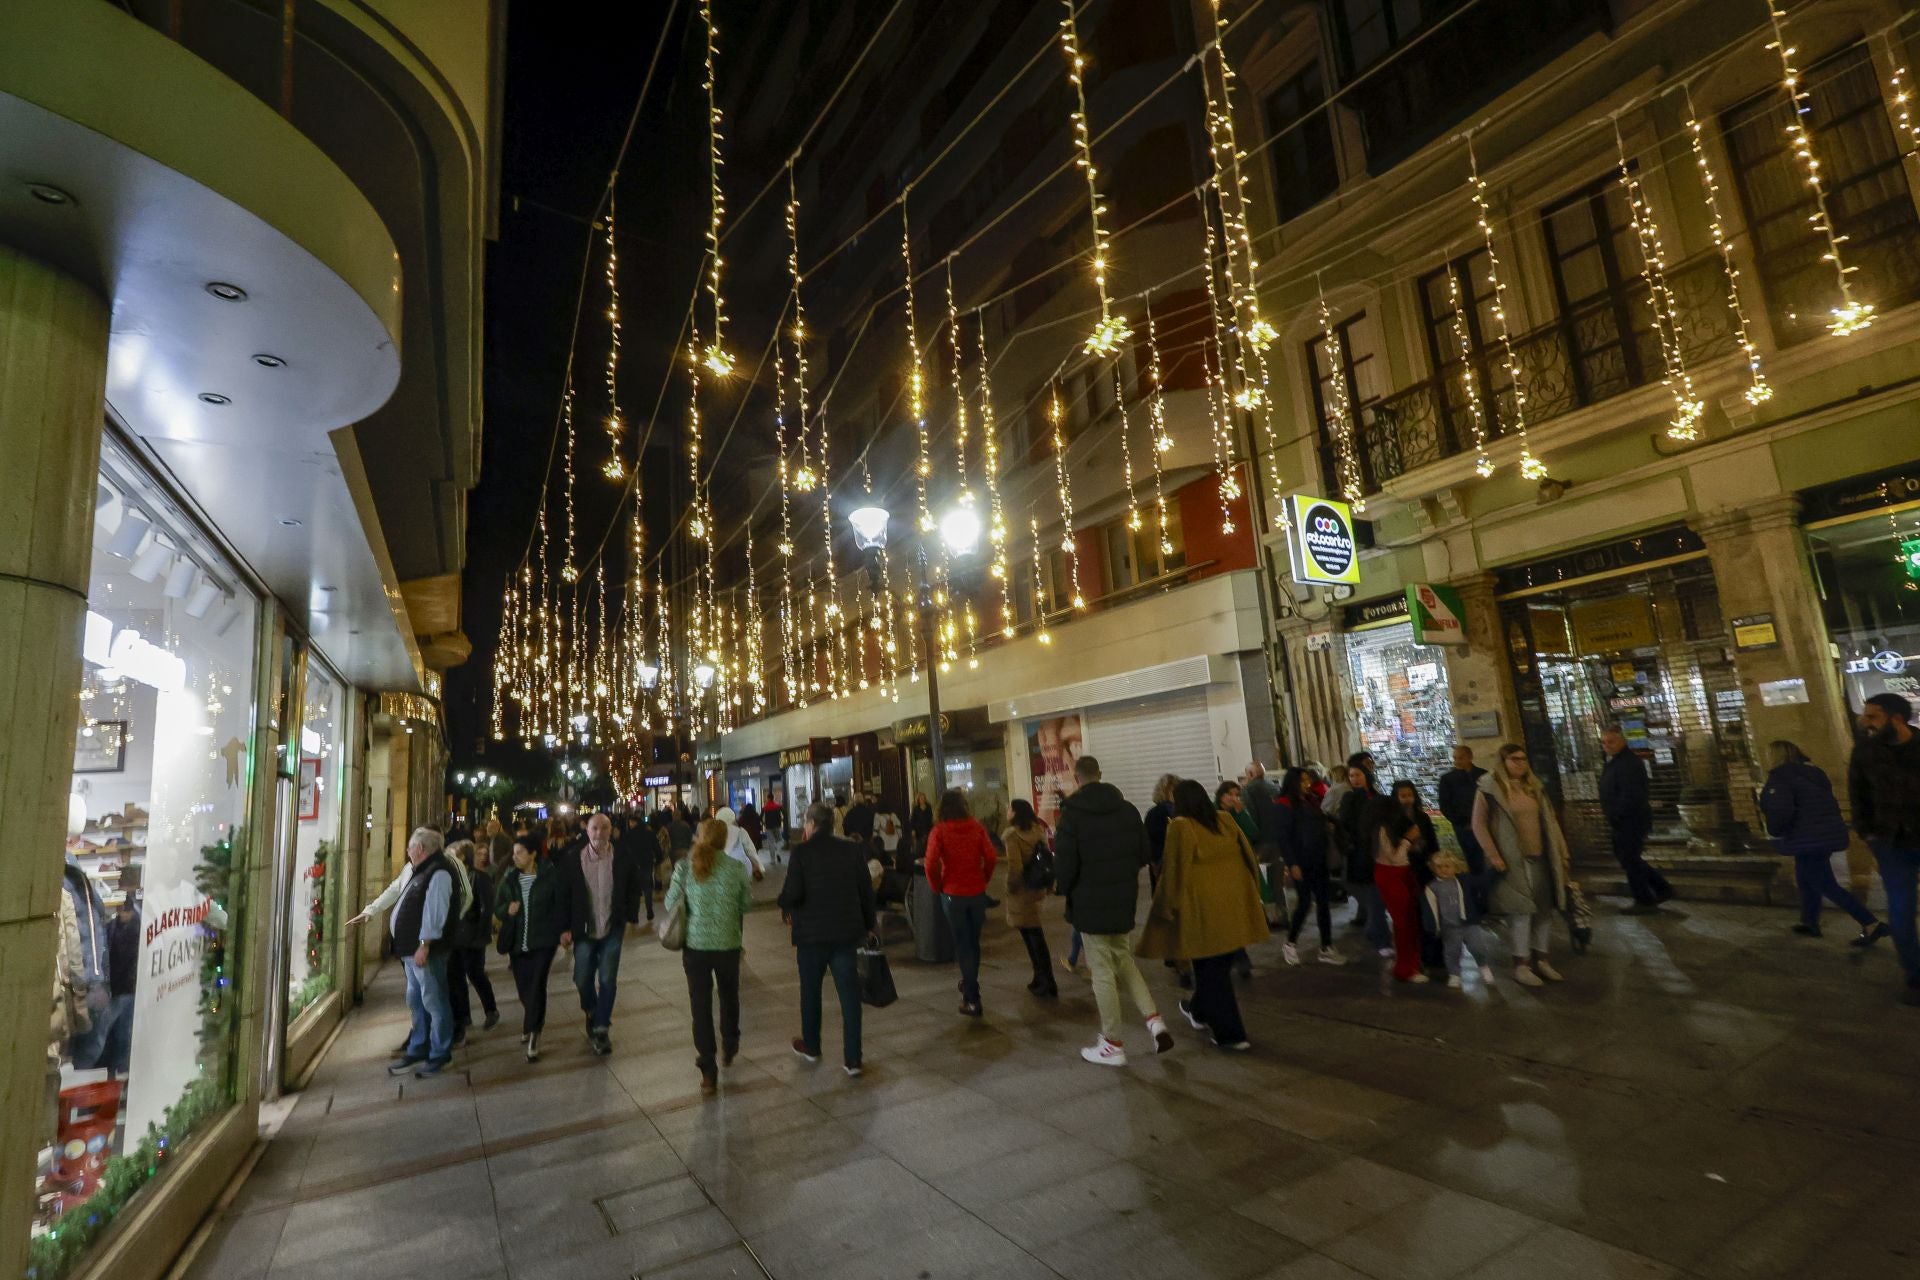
x: 1867, y: 197
x: 1604, y: 316
x: 1364, y: 389
x: 1371, y: 27
x: 1304, y: 169
x: 1134, y: 555
x: 1474, y: 272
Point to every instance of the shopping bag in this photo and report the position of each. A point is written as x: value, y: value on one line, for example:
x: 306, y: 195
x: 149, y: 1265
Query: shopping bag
x: 876, y: 978
x: 672, y: 927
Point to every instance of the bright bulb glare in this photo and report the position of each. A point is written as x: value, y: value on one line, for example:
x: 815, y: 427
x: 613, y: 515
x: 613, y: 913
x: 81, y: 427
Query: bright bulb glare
x: 960, y: 530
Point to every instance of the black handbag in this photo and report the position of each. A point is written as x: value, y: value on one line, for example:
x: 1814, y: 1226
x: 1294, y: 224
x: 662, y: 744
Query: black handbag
x: 1037, y: 871
x: 876, y: 977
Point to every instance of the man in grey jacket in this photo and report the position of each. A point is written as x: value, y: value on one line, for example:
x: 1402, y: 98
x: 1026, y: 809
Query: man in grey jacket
x: 1099, y: 848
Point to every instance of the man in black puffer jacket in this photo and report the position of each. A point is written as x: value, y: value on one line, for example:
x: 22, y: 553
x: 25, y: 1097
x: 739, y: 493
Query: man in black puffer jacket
x: 1099, y: 848
x: 1883, y: 783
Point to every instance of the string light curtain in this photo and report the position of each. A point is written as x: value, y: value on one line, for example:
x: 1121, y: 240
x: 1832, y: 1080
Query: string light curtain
x: 1758, y: 391
x: 1112, y: 331
x: 1531, y: 468
x: 1852, y: 315
x: 1688, y: 407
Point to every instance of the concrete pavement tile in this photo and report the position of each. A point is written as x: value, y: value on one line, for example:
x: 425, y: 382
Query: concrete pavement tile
x: 1221, y: 1247
x: 1559, y: 1254
x: 240, y: 1247
x: 1442, y: 1234
x: 1321, y: 1206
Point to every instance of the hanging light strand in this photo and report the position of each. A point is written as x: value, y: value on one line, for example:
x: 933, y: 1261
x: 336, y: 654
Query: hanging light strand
x: 916, y: 374
x: 1531, y: 468
x: 1758, y: 391
x: 1852, y: 315
x: 997, y: 537
x: 569, y: 572
x: 715, y: 357
x: 1339, y: 406
x: 1039, y: 591
x: 614, y: 468
x: 1126, y: 449
x: 789, y: 656
x: 1469, y: 384
x: 1219, y: 394
x: 1056, y: 416
x: 1112, y: 332
x: 1688, y: 407
x: 1161, y: 441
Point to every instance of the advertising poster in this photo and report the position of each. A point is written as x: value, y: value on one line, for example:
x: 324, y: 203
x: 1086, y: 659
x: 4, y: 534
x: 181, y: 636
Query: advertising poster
x: 1053, y: 745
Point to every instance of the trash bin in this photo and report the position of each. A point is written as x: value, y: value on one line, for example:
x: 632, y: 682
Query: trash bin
x: 932, y: 935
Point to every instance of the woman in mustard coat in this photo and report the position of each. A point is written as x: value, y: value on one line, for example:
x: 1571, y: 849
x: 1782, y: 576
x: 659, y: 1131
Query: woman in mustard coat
x: 1205, y: 908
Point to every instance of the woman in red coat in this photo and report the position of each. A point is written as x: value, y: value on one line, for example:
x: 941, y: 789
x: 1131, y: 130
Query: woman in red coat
x: 960, y: 860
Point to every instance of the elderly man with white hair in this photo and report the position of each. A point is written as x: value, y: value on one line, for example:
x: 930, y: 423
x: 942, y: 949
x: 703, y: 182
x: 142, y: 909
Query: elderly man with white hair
x: 603, y: 897
x: 418, y: 926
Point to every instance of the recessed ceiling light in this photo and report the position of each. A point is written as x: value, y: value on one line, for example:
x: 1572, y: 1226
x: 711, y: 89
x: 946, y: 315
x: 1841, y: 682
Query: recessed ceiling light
x: 213, y: 397
x: 266, y: 361
x: 329, y: 590
x: 226, y: 292
x: 46, y: 193
x: 290, y: 523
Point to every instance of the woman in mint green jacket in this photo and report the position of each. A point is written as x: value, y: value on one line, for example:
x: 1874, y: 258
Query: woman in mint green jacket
x: 718, y: 896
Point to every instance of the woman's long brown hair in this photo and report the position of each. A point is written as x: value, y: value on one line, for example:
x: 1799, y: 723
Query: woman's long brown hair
x: 707, y: 846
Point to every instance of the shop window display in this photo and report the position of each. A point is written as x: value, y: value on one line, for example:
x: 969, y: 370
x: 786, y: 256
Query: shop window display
x: 313, y: 919
x: 1403, y: 706
x: 1868, y: 569
x: 138, y: 1055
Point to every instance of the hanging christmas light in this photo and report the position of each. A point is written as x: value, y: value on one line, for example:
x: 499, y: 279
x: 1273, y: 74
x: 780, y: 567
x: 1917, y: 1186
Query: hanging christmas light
x: 1056, y: 414
x: 1909, y: 126
x: 916, y: 374
x: 1339, y: 407
x: 755, y: 659
x: 1852, y: 315
x: 1688, y: 407
x: 1126, y: 448
x: 1531, y: 468
x: 1219, y: 392
x: 1039, y: 593
x: 715, y: 356
x: 569, y: 572
x: 1469, y: 385
x: 997, y: 538
x: 789, y: 649
x: 613, y: 468
x: 1111, y: 333
x: 1162, y: 440
x: 1758, y: 391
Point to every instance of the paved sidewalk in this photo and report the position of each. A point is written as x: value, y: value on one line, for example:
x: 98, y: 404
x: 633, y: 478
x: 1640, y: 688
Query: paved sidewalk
x: 1706, y: 1095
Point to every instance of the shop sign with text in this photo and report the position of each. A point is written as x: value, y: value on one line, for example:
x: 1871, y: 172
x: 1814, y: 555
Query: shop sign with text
x: 1438, y: 615
x: 1322, y: 543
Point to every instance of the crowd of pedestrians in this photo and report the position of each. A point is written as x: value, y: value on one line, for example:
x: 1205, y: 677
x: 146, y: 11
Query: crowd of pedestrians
x: 1224, y: 868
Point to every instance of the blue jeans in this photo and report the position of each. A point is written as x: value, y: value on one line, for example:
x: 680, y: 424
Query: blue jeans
x: 432, y: 1011
x: 596, y: 974
x: 1899, y: 871
x: 967, y: 916
x: 1813, y: 876
x: 1378, y: 930
x: 815, y: 960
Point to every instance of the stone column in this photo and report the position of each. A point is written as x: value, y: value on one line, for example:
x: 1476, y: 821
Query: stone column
x: 1479, y: 675
x: 53, y: 371
x: 1760, y: 566
x: 1321, y: 691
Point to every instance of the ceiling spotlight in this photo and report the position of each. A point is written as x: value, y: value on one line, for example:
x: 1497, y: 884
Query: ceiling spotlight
x: 203, y: 598
x: 213, y: 397
x: 226, y: 292
x: 266, y: 361
x: 180, y: 579
x: 47, y: 193
x: 126, y: 539
x: 152, y: 562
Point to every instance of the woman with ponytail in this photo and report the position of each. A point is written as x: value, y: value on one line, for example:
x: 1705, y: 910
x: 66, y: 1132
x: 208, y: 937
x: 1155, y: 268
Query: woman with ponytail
x: 718, y: 896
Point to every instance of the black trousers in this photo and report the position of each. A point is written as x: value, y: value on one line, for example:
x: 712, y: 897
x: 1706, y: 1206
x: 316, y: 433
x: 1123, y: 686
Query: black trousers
x: 530, y: 980
x: 1040, y: 957
x: 1310, y: 891
x: 705, y: 971
x: 468, y: 965
x: 1213, y: 1000
x: 1645, y: 884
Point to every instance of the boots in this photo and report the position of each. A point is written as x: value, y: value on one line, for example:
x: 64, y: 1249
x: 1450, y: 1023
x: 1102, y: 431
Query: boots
x: 533, y: 1047
x: 1043, y: 983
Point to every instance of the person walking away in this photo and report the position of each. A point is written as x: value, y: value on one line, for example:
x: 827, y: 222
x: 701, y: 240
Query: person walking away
x: 679, y: 836
x: 1158, y: 816
x: 1099, y: 848
x: 531, y: 906
x: 1458, y: 786
x: 468, y: 964
x: 1629, y: 813
x: 920, y: 824
x: 859, y: 819
x: 1527, y: 856
x: 638, y: 843
x: 1261, y: 799
x: 828, y: 899
x: 418, y: 927
x: 1883, y: 783
x: 1206, y: 909
x: 739, y: 846
x: 774, y: 818
x: 1451, y: 912
x: 1024, y: 835
x: 1804, y: 820
x: 1359, y: 814
x: 1395, y: 837
x: 1305, y: 837
x: 1228, y: 798
x: 499, y: 847
x: 960, y: 860
x: 717, y: 895
x: 749, y: 822
x: 603, y: 895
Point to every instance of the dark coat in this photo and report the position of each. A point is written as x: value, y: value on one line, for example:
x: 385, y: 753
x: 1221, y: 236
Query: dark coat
x: 828, y: 894
x: 1262, y: 800
x: 1305, y: 833
x: 1623, y: 795
x: 1883, y: 783
x: 1456, y: 798
x: 626, y: 893
x: 1399, y: 823
x: 1802, y: 816
x: 1157, y: 819
x: 547, y: 908
x: 858, y: 824
x: 1359, y: 816
x: 1099, y: 847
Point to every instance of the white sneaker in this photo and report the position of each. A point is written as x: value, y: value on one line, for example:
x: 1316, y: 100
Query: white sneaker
x: 1526, y: 977
x: 1192, y: 1021
x: 1386, y: 953
x: 1453, y: 982
x: 1105, y: 1053
x: 1162, y: 1038
x: 1547, y: 971
x: 1419, y: 977
x: 1291, y: 952
x: 1329, y: 956
x: 1486, y: 974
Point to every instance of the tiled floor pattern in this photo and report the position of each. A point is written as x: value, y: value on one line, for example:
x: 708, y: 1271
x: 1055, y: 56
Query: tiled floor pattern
x: 1703, y: 1097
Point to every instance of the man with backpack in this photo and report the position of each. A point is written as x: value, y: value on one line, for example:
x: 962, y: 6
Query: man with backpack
x: 1099, y: 848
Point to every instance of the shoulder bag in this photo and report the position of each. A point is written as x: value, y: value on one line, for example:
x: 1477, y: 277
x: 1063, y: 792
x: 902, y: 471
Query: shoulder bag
x: 672, y: 929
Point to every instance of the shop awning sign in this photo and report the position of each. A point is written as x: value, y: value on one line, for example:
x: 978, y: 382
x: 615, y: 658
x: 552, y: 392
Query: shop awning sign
x: 1438, y: 615
x: 1322, y: 543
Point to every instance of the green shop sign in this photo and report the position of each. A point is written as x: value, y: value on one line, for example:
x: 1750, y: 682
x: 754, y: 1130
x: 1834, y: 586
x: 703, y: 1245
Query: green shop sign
x: 1437, y: 613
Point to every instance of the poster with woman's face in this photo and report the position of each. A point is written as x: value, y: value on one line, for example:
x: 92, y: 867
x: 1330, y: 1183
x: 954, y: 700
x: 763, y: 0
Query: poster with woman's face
x: 1053, y: 745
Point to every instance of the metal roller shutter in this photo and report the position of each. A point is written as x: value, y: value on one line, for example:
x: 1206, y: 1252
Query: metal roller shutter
x: 1138, y: 740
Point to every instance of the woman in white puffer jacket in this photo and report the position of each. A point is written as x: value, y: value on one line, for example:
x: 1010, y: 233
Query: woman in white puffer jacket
x: 739, y: 844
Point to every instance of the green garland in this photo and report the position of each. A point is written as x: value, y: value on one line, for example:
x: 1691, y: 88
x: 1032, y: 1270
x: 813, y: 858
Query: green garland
x: 319, y: 919
x: 214, y: 877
